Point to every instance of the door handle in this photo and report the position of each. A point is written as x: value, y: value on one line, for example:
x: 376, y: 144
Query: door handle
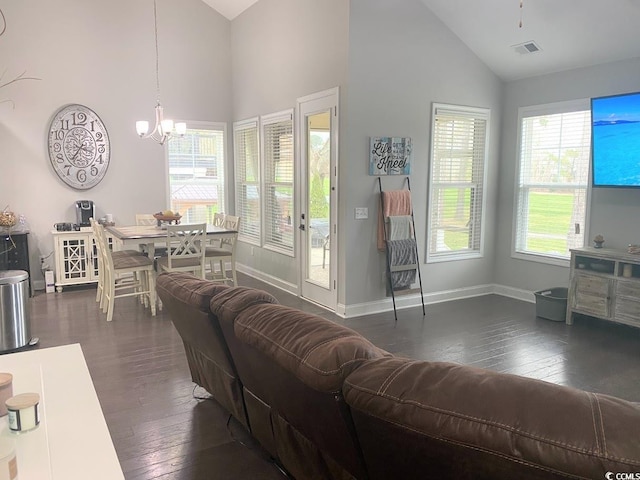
x: 302, y: 227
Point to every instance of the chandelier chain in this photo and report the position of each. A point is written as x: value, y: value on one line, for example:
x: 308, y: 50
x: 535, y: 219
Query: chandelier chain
x: 521, y: 2
x: 155, y: 20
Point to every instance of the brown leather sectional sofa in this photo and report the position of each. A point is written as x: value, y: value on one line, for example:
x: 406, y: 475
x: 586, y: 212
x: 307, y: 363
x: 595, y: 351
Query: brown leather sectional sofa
x: 328, y: 404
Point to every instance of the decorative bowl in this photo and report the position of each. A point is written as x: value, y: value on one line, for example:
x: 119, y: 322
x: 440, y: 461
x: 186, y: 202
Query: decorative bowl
x: 167, y: 218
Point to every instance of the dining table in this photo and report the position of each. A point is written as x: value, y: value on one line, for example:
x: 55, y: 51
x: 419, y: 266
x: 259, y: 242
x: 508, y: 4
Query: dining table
x: 134, y: 236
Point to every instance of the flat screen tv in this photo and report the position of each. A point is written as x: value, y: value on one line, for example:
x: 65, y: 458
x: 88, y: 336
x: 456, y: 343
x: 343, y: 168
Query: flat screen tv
x: 615, y: 141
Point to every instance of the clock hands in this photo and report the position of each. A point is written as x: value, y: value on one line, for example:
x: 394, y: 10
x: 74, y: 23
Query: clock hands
x: 81, y: 147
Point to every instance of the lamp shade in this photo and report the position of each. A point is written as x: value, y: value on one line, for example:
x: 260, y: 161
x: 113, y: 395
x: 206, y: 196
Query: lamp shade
x: 142, y: 127
x: 181, y: 128
x: 166, y: 126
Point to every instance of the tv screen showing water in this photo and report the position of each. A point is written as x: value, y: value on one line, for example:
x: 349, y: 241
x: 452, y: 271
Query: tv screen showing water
x: 615, y: 123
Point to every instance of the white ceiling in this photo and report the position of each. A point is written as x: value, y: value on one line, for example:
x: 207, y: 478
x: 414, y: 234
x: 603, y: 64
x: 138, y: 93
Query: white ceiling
x: 570, y: 33
x: 230, y: 8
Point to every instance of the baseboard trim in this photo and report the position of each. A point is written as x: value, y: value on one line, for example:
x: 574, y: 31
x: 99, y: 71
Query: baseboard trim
x: 517, y: 293
x: 402, y: 301
x: 413, y: 300
x: 269, y: 279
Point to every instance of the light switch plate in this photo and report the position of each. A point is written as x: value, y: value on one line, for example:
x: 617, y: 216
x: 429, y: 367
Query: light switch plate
x: 362, y: 213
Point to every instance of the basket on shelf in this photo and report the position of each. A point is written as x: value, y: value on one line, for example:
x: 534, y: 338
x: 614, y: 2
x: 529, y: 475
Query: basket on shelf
x: 7, y: 219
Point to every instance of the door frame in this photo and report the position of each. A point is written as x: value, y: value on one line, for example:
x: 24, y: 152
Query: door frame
x: 316, y: 103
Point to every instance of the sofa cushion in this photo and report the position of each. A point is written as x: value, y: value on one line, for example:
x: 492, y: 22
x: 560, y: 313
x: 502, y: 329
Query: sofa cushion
x: 186, y: 298
x: 189, y: 289
x: 228, y: 304
x: 317, y: 351
x: 292, y: 365
x: 499, y: 423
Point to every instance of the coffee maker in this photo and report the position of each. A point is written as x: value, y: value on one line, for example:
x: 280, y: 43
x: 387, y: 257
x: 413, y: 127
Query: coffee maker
x: 85, y: 209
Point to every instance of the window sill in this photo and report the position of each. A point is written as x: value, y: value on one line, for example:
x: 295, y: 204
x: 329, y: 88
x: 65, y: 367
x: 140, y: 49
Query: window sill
x: 453, y: 257
x: 532, y: 257
x: 280, y: 250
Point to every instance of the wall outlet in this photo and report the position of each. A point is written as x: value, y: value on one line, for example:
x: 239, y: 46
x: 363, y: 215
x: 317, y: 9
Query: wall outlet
x: 362, y: 213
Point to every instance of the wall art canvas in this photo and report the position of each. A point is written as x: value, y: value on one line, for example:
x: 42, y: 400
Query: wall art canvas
x: 390, y: 156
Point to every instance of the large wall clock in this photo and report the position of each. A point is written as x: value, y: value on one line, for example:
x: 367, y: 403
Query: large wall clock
x: 79, y: 147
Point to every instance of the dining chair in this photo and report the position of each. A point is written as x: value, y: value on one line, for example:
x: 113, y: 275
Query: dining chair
x: 225, y: 252
x: 218, y: 221
x: 138, y: 269
x: 100, y: 290
x: 185, y: 249
x: 98, y: 230
x: 145, y: 219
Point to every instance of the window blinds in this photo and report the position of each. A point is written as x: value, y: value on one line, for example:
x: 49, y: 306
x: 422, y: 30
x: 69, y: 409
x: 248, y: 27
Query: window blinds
x: 552, y: 186
x: 278, y: 158
x: 457, y: 181
x: 196, y: 173
x: 247, y: 179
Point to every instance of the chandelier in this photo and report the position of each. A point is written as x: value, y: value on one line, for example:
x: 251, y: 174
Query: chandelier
x: 164, y: 127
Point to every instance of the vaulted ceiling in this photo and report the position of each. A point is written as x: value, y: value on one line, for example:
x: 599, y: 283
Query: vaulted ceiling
x: 569, y: 33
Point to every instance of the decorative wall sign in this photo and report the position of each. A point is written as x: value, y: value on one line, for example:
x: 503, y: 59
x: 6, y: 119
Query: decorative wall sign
x: 390, y: 156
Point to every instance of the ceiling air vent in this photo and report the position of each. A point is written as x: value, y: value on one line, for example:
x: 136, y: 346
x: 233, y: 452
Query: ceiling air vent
x: 526, y: 48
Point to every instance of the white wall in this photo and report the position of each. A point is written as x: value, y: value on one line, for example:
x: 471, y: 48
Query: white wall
x: 283, y: 50
x: 614, y: 212
x: 103, y: 57
x: 401, y: 60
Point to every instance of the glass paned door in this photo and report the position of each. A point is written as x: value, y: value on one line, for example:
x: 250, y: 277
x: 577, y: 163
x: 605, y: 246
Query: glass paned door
x: 318, y: 210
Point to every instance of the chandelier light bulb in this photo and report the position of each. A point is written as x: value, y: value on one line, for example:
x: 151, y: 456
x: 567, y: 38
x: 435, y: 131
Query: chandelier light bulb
x: 142, y: 127
x: 181, y: 128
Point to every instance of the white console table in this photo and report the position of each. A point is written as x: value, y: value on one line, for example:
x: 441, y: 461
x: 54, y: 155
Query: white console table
x: 605, y: 283
x: 72, y: 441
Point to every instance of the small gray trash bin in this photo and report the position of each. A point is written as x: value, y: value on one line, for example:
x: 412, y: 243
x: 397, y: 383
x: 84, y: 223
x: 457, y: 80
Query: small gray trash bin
x: 552, y: 303
x: 15, y: 321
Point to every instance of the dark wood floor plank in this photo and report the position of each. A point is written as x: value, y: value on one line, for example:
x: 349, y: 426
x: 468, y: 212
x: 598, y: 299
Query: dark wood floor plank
x: 161, y: 431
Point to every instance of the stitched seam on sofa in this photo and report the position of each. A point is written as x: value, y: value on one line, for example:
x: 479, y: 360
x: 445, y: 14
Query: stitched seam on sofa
x: 325, y: 342
x: 302, y: 362
x: 495, y: 424
x: 477, y: 448
x: 595, y: 426
x: 604, y: 439
x: 243, y: 307
x: 392, y: 376
x: 192, y: 294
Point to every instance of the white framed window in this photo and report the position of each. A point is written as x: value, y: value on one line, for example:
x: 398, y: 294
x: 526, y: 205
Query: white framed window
x: 456, y: 182
x: 247, y: 179
x: 196, y: 171
x: 552, y: 180
x: 278, y: 180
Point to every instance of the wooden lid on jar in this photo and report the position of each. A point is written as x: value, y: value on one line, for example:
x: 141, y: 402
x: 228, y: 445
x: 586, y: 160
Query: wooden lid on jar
x: 22, y: 401
x: 5, y: 379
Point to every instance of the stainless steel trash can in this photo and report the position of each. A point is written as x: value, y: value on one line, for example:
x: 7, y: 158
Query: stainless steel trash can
x: 15, y: 321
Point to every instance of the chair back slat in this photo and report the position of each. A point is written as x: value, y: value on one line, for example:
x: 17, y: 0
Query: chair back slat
x: 218, y: 219
x: 231, y: 222
x: 186, y: 242
x: 145, y: 219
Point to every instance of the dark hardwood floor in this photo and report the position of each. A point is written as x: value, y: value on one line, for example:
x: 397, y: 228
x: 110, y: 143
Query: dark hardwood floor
x: 164, y: 429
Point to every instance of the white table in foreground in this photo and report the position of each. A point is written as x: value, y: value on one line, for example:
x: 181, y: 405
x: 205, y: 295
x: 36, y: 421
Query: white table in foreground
x: 131, y: 236
x: 72, y: 441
